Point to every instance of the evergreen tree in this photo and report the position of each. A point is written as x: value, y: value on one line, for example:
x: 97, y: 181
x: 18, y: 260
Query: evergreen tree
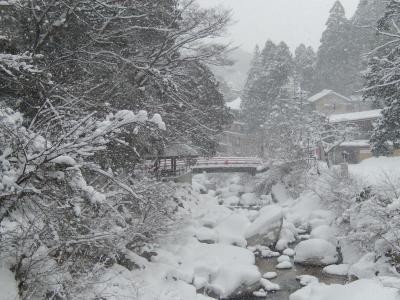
x: 264, y: 87
x: 255, y: 68
x: 335, y: 67
x: 383, y: 82
x: 304, y: 64
x: 363, y: 36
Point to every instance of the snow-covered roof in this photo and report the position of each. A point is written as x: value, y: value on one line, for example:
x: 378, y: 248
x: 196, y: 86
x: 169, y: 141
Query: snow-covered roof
x: 356, y: 116
x: 324, y: 93
x: 356, y: 143
x: 235, y: 104
x: 179, y: 150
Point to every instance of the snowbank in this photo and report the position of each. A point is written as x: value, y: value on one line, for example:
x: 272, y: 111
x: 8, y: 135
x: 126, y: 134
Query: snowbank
x: 359, y: 290
x: 8, y: 285
x: 376, y: 170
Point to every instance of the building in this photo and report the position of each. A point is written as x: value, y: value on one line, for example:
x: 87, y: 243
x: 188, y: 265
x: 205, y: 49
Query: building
x: 235, y: 140
x: 329, y: 102
x: 364, y: 121
x: 358, y: 148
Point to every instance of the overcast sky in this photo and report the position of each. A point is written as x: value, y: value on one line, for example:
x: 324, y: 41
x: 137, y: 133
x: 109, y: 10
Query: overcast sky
x: 293, y: 21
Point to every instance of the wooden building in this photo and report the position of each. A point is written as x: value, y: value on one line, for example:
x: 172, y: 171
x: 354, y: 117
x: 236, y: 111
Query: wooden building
x: 329, y: 102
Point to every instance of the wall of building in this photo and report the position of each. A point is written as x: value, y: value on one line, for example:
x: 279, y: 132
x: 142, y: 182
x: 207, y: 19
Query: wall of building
x: 331, y: 104
x: 235, y: 141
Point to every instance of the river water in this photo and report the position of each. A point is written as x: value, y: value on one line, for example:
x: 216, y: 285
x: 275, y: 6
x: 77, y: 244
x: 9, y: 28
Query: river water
x: 287, y: 278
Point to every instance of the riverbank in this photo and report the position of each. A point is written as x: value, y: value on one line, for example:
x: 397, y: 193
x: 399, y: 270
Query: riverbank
x: 230, y: 242
x: 210, y: 255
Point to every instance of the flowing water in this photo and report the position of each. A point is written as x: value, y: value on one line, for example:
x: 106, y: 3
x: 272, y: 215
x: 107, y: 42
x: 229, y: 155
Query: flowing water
x: 287, y: 278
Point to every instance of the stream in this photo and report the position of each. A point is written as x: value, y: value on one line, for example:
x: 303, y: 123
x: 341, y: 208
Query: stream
x: 287, y: 278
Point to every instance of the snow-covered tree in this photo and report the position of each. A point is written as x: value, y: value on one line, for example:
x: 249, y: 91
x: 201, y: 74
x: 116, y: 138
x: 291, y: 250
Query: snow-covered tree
x: 267, y: 78
x: 383, y: 82
x: 304, y: 62
x: 335, y: 66
x: 113, y: 55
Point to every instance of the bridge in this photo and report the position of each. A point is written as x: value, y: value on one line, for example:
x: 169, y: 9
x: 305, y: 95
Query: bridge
x: 228, y: 165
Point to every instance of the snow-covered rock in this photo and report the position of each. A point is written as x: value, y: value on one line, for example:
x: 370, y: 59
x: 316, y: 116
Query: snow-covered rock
x: 231, y: 230
x: 279, y: 193
x: 283, y: 258
x: 205, y: 235
x: 284, y: 265
x: 266, y: 224
x: 365, y: 267
x: 289, y: 252
x: 269, y: 286
x: 340, y: 270
x: 287, y: 235
x: 307, y: 279
x: 321, y: 217
x: 324, y: 232
x: 236, y: 279
x: 315, y: 252
x: 365, y: 289
x: 261, y: 293
x: 231, y: 201
x: 248, y: 199
x: 270, y: 275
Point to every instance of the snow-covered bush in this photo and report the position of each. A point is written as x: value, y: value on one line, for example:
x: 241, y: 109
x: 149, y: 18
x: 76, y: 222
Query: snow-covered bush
x: 368, y: 216
x: 62, y: 217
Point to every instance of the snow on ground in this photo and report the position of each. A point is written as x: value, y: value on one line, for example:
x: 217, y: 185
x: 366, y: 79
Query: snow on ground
x: 185, y: 263
x: 209, y: 250
x: 377, y: 170
x: 364, y: 289
x: 8, y: 285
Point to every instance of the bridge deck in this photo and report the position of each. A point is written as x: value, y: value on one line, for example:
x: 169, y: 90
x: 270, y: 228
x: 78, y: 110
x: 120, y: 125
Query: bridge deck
x: 228, y: 165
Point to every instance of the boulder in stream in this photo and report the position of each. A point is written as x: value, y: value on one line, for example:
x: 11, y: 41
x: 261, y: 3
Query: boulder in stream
x: 316, y: 252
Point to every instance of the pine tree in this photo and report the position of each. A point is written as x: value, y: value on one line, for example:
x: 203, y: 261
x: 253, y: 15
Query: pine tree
x: 304, y: 64
x: 335, y: 67
x: 382, y: 82
x: 363, y: 36
x: 265, y: 85
x: 255, y: 68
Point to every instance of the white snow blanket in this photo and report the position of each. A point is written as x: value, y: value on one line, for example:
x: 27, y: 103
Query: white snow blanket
x: 365, y: 289
x: 8, y: 285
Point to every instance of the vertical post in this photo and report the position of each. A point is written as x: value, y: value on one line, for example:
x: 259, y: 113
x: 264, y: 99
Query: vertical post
x: 173, y: 164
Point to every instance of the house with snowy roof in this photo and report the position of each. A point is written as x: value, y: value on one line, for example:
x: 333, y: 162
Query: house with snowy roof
x: 362, y: 120
x: 330, y: 102
x: 357, y: 149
